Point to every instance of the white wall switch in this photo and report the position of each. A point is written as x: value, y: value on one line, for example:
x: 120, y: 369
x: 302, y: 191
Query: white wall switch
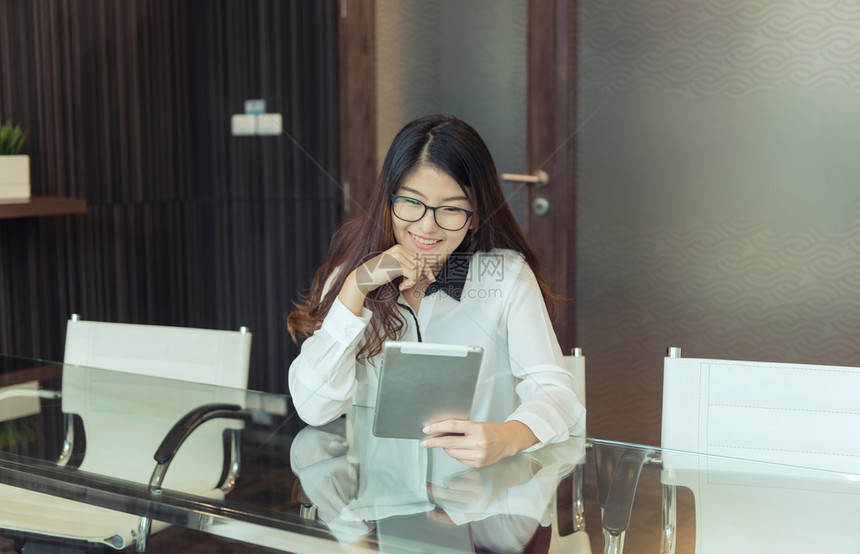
x: 270, y: 124
x: 243, y: 124
x: 255, y: 107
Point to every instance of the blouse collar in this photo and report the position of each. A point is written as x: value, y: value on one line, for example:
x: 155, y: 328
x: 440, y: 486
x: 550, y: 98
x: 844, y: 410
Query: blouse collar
x: 452, y: 277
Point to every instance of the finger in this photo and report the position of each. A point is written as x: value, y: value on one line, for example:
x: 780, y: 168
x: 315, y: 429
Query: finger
x: 446, y: 442
x: 412, y: 267
x: 463, y: 490
x: 465, y: 480
x: 466, y: 457
x: 449, y: 426
x: 423, y: 269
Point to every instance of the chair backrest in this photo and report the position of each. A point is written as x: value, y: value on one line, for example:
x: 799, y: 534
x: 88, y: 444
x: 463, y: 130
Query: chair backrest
x: 576, y: 364
x: 795, y: 414
x: 133, y: 413
x: 575, y: 540
x: 200, y: 355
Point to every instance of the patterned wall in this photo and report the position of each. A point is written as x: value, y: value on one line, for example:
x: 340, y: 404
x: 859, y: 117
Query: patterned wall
x: 717, y: 199
x: 466, y: 58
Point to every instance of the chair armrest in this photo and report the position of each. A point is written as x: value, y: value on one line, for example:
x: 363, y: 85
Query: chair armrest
x: 233, y: 451
x: 605, y: 460
x: 188, y: 423
x: 173, y: 441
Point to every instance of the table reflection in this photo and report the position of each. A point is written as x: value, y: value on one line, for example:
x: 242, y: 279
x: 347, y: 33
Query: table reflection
x: 373, y: 494
x: 396, y: 493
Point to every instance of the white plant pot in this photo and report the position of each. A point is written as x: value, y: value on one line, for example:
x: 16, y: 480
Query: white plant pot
x: 14, y: 178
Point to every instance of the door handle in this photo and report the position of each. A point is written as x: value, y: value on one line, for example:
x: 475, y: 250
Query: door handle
x: 540, y: 178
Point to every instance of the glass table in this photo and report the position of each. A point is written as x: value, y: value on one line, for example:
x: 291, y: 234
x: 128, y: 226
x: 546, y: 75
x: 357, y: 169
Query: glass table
x: 154, y: 450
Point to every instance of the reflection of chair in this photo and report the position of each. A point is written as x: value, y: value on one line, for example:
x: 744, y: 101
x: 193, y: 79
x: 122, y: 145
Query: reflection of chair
x: 571, y: 536
x: 618, y: 469
x: 125, y: 418
x: 799, y: 415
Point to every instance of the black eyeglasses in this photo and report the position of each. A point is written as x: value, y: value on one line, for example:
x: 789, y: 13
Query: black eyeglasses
x: 450, y: 218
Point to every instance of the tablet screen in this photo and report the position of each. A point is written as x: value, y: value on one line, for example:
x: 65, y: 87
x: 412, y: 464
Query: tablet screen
x: 421, y: 383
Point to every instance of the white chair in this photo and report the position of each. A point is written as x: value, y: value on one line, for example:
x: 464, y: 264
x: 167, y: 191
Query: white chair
x: 130, y: 416
x: 573, y: 538
x: 800, y: 415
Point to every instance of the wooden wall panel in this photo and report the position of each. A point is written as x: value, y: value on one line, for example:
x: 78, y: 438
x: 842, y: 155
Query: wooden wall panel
x: 128, y: 104
x: 358, y: 123
x: 272, y: 201
x: 552, y: 147
x: 101, y: 88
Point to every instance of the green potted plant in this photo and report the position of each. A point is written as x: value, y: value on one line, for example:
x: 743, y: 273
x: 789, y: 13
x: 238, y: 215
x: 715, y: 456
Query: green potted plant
x: 14, y: 167
x: 18, y: 433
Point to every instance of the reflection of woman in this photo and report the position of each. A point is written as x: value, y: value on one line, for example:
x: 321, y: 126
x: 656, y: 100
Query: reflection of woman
x: 370, y: 483
x: 439, y: 258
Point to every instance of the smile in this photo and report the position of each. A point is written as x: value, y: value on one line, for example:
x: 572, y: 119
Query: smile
x: 424, y: 241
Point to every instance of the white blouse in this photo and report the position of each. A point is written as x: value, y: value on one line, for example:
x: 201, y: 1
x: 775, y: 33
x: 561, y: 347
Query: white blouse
x: 500, y: 308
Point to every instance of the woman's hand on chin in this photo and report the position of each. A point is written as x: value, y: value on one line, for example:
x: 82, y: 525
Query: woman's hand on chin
x: 383, y: 268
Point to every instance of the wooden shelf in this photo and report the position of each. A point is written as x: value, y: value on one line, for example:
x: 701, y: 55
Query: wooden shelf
x: 42, y: 206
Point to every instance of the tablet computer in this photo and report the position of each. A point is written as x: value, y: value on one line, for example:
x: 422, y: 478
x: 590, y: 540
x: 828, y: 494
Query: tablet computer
x: 423, y: 382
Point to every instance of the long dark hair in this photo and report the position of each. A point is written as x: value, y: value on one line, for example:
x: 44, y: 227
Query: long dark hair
x: 453, y: 147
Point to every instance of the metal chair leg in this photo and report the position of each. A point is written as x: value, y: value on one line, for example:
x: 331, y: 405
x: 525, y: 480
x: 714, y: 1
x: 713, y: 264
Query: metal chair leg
x: 614, y: 543
x: 143, y: 526
x: 670, y: 519
x: 578, y: 505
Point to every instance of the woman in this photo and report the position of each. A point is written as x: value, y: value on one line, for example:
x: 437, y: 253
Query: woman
x: 439, y: 258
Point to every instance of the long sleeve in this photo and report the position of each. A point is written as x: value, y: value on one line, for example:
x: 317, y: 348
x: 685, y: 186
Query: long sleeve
x: 322, y: 377
x: 550, y: 405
